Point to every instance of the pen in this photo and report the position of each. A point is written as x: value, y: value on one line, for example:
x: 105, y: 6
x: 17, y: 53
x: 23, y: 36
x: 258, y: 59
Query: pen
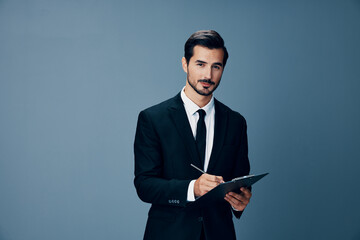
x: 221, y: 181
x: 197, y: 168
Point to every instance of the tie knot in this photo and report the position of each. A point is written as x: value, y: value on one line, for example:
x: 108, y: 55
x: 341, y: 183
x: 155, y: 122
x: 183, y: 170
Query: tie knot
x: 202, y: 113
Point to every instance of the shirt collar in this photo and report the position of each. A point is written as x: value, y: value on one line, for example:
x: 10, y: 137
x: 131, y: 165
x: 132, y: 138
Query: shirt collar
x: 192, y: 107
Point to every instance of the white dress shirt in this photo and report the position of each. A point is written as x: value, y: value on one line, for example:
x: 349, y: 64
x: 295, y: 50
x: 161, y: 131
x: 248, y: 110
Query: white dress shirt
x: 193, y: 116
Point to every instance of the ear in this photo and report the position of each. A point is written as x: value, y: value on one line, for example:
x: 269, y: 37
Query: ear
x: 184, y: 64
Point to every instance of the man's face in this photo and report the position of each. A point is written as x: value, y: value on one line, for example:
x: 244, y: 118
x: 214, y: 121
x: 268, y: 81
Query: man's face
x: 204, y: 69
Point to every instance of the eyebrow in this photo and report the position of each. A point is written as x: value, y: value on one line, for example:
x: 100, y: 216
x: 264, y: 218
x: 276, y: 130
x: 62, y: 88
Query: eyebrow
x: 199, y: 61
x: 216, y: 63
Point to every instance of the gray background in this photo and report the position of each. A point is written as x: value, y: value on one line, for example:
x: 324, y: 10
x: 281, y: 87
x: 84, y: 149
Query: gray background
x: 75, y: 74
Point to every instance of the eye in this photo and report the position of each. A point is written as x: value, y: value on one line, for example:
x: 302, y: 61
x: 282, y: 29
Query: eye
x: 200, y: 64
x: 217, y: 67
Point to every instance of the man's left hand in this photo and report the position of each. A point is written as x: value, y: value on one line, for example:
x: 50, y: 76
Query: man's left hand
x: 239, y: 201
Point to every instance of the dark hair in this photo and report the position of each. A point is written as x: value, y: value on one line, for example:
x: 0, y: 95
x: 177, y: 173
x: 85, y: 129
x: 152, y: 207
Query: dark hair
x: 207, y: 38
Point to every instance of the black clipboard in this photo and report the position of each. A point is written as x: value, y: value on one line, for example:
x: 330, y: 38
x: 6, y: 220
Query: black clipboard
x: 218, y: 193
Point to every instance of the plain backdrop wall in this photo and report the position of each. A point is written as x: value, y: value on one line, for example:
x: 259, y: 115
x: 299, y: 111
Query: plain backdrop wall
x: 75, y: 74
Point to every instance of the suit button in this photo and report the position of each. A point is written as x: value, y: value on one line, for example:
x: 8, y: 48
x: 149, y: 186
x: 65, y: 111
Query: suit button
x: 200, y: 219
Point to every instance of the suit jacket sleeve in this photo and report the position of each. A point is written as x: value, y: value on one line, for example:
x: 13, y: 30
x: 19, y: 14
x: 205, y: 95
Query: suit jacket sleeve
x: 243, y: 167
x: 151, y: 186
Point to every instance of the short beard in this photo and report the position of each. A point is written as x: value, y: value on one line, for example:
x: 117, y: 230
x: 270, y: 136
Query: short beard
x: 201, y: 92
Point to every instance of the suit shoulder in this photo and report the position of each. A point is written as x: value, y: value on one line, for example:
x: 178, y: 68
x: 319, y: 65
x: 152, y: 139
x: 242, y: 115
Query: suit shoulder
x: 232, y: 114
x: 160, y: 108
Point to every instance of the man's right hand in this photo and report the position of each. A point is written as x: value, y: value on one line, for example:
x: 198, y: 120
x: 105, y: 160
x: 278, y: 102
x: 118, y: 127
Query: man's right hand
x: 205, y: 183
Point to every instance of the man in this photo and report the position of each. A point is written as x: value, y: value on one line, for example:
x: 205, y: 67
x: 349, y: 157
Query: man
x: 192, y: 128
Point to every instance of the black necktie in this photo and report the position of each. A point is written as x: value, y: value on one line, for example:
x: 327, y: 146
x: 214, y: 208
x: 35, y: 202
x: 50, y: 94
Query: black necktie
x: 201, y: 135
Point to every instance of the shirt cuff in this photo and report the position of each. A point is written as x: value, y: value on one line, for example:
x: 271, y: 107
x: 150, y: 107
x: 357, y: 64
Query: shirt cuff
x: 190, y: 193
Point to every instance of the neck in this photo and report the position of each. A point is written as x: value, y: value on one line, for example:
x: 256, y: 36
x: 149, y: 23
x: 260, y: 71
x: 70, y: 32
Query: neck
x: 198, y: 99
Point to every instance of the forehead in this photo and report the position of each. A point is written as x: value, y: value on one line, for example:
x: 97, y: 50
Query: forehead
x: 208, y: 55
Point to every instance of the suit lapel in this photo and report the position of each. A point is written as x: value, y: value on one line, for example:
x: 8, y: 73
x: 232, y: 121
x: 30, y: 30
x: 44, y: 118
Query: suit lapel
x: 179, y: 117
x: 221, y: 119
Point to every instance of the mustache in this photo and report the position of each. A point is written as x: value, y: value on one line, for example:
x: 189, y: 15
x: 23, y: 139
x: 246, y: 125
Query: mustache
x: 207, y: 81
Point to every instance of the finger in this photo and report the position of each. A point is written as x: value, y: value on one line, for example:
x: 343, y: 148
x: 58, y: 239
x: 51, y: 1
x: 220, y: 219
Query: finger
x: 229, y: 201
x: 234, y: 201
x: 219, y: 179
x: 214, y: 178
x: 238, y: 207
x: 246, y: 192
x: 211, y: 184
x: 236, y: 195
x: 239, y: 197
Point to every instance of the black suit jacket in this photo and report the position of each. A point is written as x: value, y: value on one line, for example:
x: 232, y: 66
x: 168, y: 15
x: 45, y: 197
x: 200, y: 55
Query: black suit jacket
x: 164, y: 149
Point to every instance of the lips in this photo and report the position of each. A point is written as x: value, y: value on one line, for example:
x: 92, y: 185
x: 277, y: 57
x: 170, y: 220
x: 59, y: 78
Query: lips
x: 205, y: 84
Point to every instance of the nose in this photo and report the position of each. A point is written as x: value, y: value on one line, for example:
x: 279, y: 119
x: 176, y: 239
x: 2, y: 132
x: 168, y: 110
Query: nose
x: 208, y: 73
